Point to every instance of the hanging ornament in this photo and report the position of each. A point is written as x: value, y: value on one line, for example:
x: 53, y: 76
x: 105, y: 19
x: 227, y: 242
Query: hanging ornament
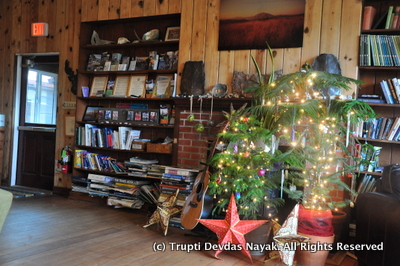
x: 261, y: 172
x: 190, y: 117
x: 199, y: 126
x: 219, y: 178
x: 246, y: 154
x: 237, y: 195
x: 210, y: 120
x: 235, y: 148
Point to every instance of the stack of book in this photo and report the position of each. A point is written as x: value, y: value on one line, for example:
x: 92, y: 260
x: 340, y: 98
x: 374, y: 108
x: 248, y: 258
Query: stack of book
x: 139, y: 167
x: 121, y: 192
x: 177, y: 178
x: 371, y: 98
x: 173, y: 179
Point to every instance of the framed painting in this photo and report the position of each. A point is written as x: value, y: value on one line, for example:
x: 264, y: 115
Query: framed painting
x: 172, y: 34
x: 245, y: 25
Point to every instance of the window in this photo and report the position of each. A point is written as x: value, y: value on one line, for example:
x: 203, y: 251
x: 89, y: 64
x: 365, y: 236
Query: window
x: 41, y: 97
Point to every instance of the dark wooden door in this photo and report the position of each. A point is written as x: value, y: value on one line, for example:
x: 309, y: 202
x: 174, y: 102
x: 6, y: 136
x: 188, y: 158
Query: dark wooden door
x: 35, y: 165
x: 37, y: 126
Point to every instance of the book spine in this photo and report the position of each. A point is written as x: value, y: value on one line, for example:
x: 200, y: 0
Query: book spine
x: 368, y: 17
x: 389, y: 18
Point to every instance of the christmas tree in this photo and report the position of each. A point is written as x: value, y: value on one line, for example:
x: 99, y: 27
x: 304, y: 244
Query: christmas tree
x: 248, y: 167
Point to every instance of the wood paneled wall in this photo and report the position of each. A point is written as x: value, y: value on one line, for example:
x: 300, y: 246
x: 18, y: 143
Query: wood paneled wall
x: 331, y: 26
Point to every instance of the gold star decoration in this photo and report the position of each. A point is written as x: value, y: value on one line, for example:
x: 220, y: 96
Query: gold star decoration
x: 231, y: 231
x: 164, y: 212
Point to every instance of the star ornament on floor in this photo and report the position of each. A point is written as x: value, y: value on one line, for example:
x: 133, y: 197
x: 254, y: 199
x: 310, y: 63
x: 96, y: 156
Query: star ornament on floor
x: 231, y: 231
x: 164, y: 212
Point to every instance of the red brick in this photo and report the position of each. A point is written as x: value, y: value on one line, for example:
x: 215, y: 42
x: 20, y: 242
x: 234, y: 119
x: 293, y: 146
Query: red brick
x: 184, y: 142
x: 191, y: 149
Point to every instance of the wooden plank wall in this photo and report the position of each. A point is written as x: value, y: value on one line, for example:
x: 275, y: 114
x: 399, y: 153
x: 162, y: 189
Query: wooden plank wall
x: 331, y: 26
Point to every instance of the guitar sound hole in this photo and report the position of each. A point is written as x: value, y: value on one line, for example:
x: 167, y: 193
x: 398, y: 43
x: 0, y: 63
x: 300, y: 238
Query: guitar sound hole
x: 198, y: 191
x: 199, y: 188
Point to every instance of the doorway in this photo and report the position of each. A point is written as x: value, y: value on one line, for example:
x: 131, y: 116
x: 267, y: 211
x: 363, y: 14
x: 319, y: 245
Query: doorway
x: 36, y: 115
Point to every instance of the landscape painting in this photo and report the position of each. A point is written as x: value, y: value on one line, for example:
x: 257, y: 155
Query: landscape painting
x: 250, y: 24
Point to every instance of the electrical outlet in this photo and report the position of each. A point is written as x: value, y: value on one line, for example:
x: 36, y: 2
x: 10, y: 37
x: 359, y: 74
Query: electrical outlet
x: 69, y: 105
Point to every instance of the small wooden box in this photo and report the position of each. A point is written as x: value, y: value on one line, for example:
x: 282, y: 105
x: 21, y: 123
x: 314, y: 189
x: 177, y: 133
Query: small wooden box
x: 159, y: 148
x: 138, y: 146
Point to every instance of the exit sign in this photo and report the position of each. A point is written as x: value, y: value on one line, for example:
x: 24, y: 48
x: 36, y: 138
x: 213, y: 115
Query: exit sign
x: 40, y: 29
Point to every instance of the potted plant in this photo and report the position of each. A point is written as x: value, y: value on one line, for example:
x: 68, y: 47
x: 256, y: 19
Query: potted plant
x: 317, y: 127
x: 247, y: 167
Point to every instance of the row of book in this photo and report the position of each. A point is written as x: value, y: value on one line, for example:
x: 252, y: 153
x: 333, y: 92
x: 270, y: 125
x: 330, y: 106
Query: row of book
x: 391, y: 90
x: 388, y: 20
x: 97, y: 162
x: 119, y: 62
x: 379, y: 50
x: 367, y: 184
x: 107, y: 137
x: 382, y: 128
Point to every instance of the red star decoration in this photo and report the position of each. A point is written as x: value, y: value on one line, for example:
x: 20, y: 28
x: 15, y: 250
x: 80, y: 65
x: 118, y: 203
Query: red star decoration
x: 231, y: 231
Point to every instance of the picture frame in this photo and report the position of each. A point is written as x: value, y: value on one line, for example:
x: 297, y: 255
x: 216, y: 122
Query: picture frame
x: 137, y: 86
x: 163, y: 85
x: 91, y: 114
x: 172, y: 34
x: 98, y: 88
x: 121, y: 86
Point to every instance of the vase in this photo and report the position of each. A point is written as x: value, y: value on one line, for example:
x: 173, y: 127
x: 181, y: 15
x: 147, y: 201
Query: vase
x: 315, y: 252
x: 338, y: 220
x: 259, y: 237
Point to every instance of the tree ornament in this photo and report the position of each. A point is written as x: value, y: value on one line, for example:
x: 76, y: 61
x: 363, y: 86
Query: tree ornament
x: 237, y: 195
x: 246, y: 154
x: 235, y: 148
x: 199, y: 127
x: 231, y: 230
x: 261, y: 172
x: 219, y: 178
x: 190, y: 117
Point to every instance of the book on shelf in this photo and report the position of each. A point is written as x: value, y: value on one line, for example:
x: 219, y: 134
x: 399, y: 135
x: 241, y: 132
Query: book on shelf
x: 368, y: 17
x: 389, y: 17
x: 142, y: 63
x: 395, y: 18
x: 94, y: 62
x: 123, y: 66
x: 105, y: 64
x: 115, y: 61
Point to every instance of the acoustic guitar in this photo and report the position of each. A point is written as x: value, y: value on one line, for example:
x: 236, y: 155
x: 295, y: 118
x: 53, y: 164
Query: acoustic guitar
x: 198, y: 204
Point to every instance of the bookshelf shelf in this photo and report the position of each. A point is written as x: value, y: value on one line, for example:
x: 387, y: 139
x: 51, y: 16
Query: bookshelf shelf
x: 371, y: 173
x: 151, y: 115
x: 379, y: 140
x: 376, y: 66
